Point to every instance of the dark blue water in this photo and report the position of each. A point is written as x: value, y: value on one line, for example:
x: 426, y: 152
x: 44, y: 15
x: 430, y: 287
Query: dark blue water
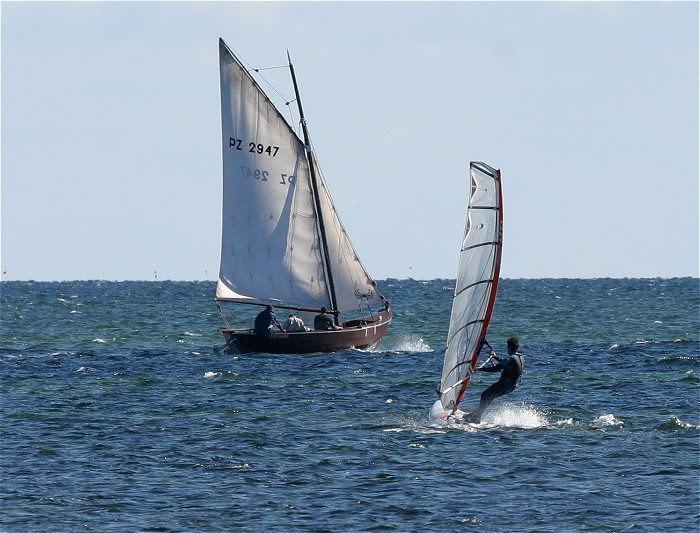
x: 120, y: 413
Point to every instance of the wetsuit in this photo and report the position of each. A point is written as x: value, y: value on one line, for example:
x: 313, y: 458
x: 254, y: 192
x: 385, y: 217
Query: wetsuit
x: 323, y: 322
x: 511, y: 367
x: 263, y: 322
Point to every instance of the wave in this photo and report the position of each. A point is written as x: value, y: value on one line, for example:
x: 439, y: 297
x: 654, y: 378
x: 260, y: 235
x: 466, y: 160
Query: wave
x: 216, y: 375
x: 676, y: 424
x: 605, y: 421
x: 691, y: 377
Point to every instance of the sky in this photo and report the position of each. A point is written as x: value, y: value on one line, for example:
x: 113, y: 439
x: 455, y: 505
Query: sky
x: 111, y: 149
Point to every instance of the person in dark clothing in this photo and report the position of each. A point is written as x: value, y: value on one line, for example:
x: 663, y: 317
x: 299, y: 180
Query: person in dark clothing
x: 265, y: 321
x: 323, y: 322
x: 511, y: 368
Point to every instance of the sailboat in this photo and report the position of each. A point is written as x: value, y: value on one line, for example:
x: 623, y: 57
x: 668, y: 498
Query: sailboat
x: 283, y: 243
x: 475, y: 290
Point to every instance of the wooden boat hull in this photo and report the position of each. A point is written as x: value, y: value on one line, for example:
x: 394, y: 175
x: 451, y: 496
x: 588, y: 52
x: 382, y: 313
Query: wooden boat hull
x: 361, y: 334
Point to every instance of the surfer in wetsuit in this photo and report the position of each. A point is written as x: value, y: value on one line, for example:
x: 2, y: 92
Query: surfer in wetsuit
x: 511, y: 368
x: 265, y: 321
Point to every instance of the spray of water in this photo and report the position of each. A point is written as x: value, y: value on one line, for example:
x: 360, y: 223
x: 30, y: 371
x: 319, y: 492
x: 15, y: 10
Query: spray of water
x: 515, y: 416
x: 410, y: 343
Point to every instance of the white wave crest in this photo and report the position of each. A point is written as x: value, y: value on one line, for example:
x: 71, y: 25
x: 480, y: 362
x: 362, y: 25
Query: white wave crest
x: 604, y: 421
x: 566, y: 422
x: 684, y: 425
x: 214, y: 375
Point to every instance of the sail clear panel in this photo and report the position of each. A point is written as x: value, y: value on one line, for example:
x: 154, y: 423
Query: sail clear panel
x: 270, y: 249
x: 477, y: 283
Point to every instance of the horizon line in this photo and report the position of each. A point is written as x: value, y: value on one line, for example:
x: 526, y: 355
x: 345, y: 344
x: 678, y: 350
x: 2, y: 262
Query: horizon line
x: 30, y: 280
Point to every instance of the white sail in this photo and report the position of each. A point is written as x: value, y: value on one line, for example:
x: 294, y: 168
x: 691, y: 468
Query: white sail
x: 354, y: 288
x: 272, y: 249
x: 477, y: 283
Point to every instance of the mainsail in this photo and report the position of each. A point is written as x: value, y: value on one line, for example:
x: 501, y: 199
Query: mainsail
x: 477, y: 283
x: 282, y: 240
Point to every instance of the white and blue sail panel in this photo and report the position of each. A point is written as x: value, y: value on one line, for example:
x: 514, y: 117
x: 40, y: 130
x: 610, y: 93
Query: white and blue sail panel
x: 477, y: 280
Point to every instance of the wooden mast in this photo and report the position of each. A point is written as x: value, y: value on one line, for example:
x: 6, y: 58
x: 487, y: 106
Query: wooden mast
x: 314, y: 192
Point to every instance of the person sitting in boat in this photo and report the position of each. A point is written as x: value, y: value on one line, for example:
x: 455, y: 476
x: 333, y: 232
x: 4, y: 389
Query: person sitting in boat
x: 323, y: 321
x: 266, y: 321
x: 511, y: 368
x: 294, y: 323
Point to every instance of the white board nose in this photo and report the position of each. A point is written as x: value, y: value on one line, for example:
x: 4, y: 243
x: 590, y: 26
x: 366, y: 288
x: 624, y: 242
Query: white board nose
x: 437, y: 412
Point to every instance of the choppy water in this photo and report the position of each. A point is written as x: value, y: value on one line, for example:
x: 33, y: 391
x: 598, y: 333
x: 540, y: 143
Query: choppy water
x: 120, y: 413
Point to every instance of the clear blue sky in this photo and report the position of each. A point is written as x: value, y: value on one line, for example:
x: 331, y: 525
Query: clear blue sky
x: 111, y: 162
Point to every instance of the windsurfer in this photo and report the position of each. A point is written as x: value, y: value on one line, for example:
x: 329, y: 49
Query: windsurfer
x: 511, y: 368
x: 265, y: 321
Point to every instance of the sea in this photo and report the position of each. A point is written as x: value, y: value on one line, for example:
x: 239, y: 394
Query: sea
x: 120, y: 411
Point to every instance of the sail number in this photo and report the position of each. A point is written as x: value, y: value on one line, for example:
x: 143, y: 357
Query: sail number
x: 264, y: 175
x: 253, y: 148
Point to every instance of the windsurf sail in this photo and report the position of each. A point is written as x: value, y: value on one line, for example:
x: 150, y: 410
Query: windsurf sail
x: 477, y: 283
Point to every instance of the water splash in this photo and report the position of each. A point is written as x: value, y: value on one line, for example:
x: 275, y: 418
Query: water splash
x: 216, y: 375
x: 410, y: 343
x: 503, y: 416
x: 515, y: 416
x: 605, y: 421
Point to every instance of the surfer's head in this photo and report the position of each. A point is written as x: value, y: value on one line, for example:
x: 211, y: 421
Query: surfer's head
x: 323, y: 309
x: 513, y: 345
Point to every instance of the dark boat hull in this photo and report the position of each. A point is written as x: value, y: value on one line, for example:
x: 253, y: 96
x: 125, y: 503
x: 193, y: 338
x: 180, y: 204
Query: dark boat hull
x: 361, y: 334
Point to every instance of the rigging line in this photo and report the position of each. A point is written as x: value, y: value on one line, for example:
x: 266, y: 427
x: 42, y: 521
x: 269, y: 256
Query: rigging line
x: 223, y: 315
x: 257, y: 71
x: 267, y: 68
x: 291, y: 113
x: 249, y: 68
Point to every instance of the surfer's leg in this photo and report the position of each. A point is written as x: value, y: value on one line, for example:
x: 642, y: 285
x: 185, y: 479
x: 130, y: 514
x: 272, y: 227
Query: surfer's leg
x: 489, y: 395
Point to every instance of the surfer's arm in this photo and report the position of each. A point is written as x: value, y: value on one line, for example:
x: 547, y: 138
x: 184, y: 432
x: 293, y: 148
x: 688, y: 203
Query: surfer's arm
x: 486, y: 367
